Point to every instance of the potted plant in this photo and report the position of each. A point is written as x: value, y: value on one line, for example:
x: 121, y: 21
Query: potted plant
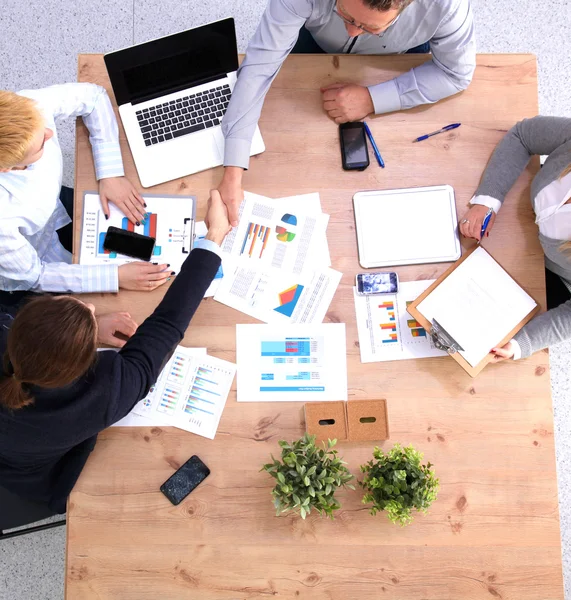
x: 307, y: 477
x: 398, y: 483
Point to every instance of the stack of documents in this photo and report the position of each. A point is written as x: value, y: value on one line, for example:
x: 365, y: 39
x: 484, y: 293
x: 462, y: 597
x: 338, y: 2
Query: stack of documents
x: 276, y: 261
x: 190, y: 394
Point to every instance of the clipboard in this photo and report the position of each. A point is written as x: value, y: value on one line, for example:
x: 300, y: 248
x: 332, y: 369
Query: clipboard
x: 408, y: 226
x: 443, y: 339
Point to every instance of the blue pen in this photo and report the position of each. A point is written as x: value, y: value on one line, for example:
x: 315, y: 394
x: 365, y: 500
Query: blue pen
x: 375, y: 149
x: 447, y: 128
x: 486, y: 223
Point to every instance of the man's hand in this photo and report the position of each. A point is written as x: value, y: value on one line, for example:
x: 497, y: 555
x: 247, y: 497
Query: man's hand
x: 217, y: 219
x: 346, y: 102
x: 121, y: 192
x: 143, y: 276
x: 109, y: 325
x: 503, y: 353
x: 231, y: 191
x: 471, y: 223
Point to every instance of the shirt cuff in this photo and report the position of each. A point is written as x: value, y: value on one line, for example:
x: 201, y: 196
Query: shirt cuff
x: 237, y: 153
x: 516, y: 348
x: 385, y: 96
x: 488, y: 201
x: 99, y: 278
x: 107, y: 159
x: 205, y: 244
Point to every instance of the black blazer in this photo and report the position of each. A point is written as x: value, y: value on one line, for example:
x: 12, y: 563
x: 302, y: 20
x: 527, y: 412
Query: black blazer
x: 44, y: 446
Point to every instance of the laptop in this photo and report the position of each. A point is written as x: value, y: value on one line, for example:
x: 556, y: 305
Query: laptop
x: 172, y: 94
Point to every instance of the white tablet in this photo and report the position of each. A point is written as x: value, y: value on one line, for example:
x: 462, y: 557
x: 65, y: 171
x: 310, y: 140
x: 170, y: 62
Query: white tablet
x: 406, y: 227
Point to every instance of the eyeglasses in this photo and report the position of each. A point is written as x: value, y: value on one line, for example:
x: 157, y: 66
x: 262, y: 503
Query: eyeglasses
x: 349, y: 21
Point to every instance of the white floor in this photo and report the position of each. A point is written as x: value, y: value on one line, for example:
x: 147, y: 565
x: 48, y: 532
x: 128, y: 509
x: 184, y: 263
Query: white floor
x: 39, y: 43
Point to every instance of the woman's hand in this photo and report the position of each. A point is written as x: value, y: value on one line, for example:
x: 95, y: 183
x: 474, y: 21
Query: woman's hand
x: 217, y: 218
x: 471, y: 223
x: 143, y: 276
x: 503, y: 353
x: 111, y: 324
x: 124, y: 196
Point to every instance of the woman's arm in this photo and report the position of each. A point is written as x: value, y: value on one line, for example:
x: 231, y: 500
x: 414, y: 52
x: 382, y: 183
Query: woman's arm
x: 545, y: 330
x: 138, y: 364
x: 540, y: 135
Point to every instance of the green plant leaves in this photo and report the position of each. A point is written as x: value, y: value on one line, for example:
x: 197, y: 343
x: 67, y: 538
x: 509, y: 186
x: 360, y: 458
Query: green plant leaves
x: 307, y: 477
x: 397, y: 483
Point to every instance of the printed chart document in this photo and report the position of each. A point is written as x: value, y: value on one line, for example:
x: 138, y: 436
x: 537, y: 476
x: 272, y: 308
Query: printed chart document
x: 276, y: 234
x: 292, y: 363
x: 170, y: 220
x: 478, y: 304
x: 190, y: 393
x: 275, y: 296
x: 135, y: 420
x: 387, y: 331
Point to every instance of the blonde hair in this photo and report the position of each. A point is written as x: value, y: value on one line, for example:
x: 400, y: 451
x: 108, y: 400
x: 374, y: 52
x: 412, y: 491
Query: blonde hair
x: 20, y: 120
x: 565, y: 246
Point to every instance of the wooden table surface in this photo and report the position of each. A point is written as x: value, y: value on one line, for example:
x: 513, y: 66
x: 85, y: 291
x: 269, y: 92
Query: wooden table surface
x: 492, y: 534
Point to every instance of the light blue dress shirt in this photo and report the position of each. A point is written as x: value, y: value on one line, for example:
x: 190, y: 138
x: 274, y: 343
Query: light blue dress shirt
x: 31, y: 255
x: 447, y: 24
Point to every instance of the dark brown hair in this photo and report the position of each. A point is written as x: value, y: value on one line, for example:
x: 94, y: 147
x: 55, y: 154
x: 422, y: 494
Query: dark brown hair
x: 383, y: 5
x: 51, y: 343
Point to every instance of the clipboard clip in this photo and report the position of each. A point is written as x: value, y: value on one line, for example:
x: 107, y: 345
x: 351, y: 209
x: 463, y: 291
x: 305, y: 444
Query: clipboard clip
x: 443, y: 340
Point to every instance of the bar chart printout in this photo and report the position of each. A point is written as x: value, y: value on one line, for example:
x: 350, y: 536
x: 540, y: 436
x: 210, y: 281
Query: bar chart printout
x: 190, y: 393
x: 387, y: 331
x: 282, y: 364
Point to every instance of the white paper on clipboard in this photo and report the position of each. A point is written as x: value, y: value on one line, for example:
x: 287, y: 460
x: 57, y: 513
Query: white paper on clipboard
x: 407, y: 226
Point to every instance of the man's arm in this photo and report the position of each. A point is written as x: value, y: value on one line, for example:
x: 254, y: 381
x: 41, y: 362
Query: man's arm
x: 22, y: 269
x: 450, y: 71
x: 275, y: 37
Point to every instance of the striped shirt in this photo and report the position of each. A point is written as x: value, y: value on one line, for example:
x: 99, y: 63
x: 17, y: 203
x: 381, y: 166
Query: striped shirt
x: 31, y: 255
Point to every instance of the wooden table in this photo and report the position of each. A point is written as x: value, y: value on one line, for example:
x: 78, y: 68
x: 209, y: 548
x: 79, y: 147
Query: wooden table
x: 493, y: 532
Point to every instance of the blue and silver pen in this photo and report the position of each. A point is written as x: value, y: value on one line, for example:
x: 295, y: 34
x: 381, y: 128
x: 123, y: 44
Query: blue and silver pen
x: 375, y: 149
x: 486, y: 223
x: 447, y: 128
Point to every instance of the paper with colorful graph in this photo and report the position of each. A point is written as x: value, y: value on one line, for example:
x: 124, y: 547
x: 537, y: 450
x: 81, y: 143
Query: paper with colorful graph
x: 169, y: 219
x: 387, y: 331
x: 276, y: 265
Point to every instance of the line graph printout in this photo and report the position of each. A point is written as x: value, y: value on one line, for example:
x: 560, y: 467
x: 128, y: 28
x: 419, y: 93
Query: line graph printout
x: 169, y: 219
x: 387, y: 331
x: 190, y: 392
x: 293, y: 363
x: 282, y: 234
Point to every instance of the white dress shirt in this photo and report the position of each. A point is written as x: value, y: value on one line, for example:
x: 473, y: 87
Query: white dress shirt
x: 31, y: 255
x: 552, y: 215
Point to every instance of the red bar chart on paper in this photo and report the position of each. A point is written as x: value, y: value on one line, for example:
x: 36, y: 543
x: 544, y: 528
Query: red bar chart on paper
x: 169, y: 220
x: 387, y: 331
x: 255, y: 240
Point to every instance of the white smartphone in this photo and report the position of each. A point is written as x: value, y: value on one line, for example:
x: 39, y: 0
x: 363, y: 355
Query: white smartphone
x: 377, y: 283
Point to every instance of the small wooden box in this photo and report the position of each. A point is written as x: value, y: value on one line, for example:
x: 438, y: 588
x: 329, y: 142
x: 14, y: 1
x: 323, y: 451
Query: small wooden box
x: 367, y: 420
x: 326, y: 420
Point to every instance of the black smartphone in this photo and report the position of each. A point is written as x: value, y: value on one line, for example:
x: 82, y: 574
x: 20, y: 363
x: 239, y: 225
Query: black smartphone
x: 129, y: 243
x: 354, y: 150
x: 179, y: 485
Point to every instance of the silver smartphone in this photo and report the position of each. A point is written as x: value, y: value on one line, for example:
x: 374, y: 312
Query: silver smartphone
x: 377, y: 283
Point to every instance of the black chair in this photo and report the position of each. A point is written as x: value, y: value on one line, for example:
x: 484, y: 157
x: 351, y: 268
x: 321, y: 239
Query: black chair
x: 17, y: 512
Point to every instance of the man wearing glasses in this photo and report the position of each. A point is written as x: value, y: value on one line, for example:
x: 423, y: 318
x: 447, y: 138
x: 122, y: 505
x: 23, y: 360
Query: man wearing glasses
x: 443, y: 27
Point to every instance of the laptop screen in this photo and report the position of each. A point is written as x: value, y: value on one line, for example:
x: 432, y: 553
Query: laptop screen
x: 173, y: 63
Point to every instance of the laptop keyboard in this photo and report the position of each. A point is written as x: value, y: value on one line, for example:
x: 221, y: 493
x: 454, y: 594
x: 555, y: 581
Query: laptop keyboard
x: 186, y: 115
